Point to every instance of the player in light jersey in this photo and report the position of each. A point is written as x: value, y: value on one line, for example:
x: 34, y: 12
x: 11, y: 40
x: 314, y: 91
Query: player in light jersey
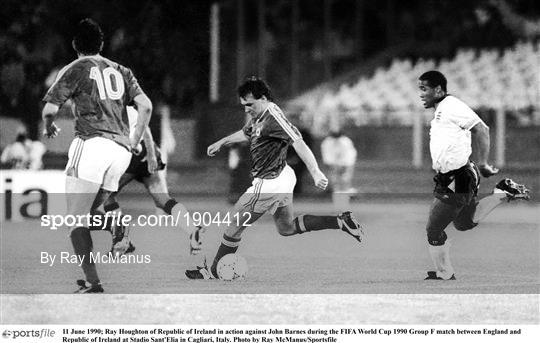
x: 147, y: 168
x: 99, y: 90
x: 454, y: 128
x: 270, y: 134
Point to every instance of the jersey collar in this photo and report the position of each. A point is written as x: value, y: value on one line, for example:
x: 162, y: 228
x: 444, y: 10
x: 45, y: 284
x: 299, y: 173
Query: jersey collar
x: 260, y: 117
x: 89, y: 56
x: 441, y: 100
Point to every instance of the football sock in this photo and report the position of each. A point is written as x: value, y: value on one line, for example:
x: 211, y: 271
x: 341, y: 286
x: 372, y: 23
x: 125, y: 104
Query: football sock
x: 109, y: 222
x: 118, y: 231
x: 307, y: 223
x: 111, y: 207
x: 440, y: 255
x: 105, y: 223
x: 177, y: 210
x: 488, y: 204
x: 82, y: 245
x: 228, y: 245
x: 169, y: 206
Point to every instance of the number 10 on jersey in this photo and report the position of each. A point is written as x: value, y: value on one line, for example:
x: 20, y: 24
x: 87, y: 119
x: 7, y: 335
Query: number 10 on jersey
x: 104, y: 81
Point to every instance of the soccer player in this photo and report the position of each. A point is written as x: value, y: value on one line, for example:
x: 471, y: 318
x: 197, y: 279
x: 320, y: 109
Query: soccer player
x: 99, y: 90
x: 269, y: 134
x: 147, y: 168
x: 454, y: 127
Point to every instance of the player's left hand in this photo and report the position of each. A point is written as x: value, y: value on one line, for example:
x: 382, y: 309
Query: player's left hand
x: 487, y: 170
x: 321, y: 181
x: 51, y: 131
x: 152, y: 162
x: 213, y: 149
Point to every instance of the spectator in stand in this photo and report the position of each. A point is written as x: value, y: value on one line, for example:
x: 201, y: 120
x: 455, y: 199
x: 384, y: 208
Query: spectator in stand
x: 23, y: 153
x: 339, y: 154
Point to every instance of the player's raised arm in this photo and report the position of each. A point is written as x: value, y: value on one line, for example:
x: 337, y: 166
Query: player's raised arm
x: 321, y: 181
x: 50, y: 130
x: 480, y: 139
x: 237, y: 137
x: 144, y: 107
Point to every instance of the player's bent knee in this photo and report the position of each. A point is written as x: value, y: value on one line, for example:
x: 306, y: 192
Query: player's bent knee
x: 436, y: 238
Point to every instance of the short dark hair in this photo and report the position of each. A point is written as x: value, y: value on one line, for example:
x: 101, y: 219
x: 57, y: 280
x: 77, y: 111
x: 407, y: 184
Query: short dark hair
x: 434, y: 78
x: 88, y: 38
x: 255, y: 86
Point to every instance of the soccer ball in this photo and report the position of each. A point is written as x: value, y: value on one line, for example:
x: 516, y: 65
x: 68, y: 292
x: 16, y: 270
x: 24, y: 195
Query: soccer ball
x: 232, y: 267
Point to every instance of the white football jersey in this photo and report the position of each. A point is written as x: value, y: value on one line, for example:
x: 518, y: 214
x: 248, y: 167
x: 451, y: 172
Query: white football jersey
x: 450, y: 135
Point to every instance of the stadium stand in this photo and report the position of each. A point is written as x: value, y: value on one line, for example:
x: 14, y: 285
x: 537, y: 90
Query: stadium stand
x: 485, y: 79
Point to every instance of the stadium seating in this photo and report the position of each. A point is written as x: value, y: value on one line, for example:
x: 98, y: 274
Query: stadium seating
x: 487, y: 79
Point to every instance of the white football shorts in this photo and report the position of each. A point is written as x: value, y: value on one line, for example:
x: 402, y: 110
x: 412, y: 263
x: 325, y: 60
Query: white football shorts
x: 98, y: 160
x: 266, y: 195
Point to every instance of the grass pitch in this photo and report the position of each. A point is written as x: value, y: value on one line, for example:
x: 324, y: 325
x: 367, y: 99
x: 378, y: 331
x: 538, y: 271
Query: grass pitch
x: 323, y: 277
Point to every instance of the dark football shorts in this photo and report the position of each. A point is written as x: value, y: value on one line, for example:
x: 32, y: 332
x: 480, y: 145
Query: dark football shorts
x: 139, y: 168
x: 456, y: 205
x: 465, y: 181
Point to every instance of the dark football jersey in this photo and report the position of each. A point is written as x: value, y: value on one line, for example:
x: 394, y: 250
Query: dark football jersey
x: 270, y: 135
x: 100, y: 90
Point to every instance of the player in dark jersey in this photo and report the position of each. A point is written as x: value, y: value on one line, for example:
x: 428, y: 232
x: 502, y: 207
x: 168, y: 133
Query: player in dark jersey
x: 99, y: 90
x: 147, y: 168
x: 270, y: 134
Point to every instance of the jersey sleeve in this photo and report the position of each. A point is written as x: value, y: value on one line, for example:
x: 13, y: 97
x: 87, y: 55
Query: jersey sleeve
x: 65, y: 85
x: 464, y: 116
x: 280, y: 127
x: 132, y: 85
x: 247, y: 129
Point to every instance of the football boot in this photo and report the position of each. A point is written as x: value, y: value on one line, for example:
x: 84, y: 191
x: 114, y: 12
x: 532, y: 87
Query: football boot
x: 83, y: 288
x: 432, y: 275
x: 351, y: 226
x: 513, y: 190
